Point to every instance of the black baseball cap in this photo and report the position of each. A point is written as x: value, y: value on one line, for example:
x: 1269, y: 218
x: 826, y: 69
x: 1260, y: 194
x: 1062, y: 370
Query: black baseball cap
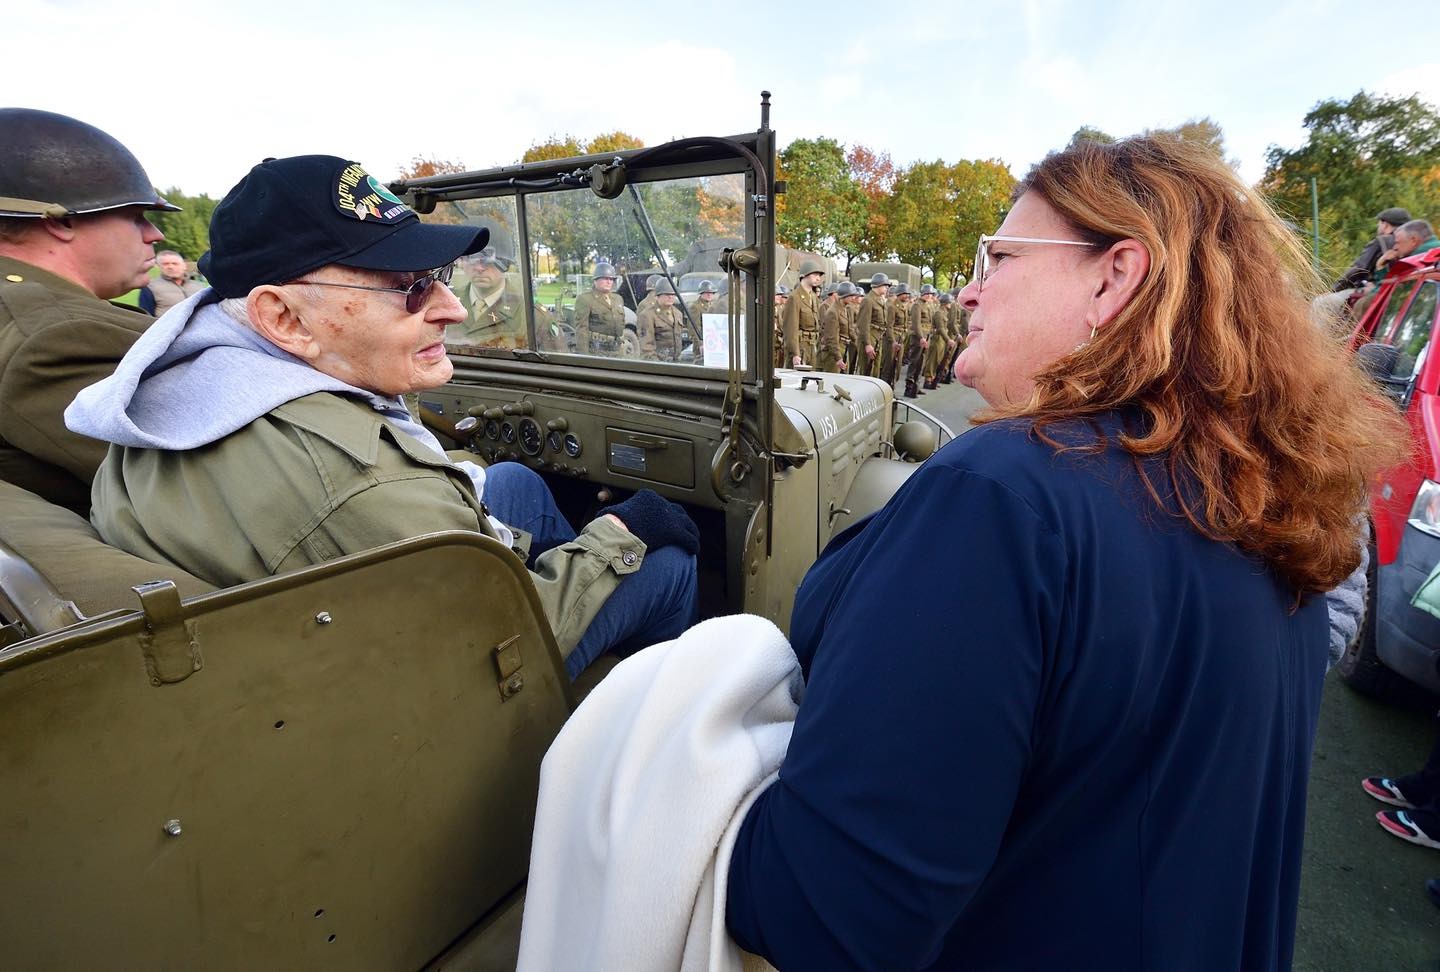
x: 290, y: 216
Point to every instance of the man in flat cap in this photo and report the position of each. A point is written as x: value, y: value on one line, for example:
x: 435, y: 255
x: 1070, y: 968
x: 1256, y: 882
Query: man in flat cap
x: 73, y: 234
x: 262, y: 428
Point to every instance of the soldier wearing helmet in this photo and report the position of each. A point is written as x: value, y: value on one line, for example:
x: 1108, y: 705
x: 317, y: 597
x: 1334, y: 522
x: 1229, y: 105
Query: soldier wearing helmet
x: 662, y: 327
x: 494, y: 305
x: 782, y: 297
x: 917, y: 339
x: 959, y: 329
x: 851, y: 296
x: 73, y: 235
x: 600, y: 315
x: 870, y: 333
x: 801, y: 324
x: 831, y: 353
x: 648, y: 301
x: 703, y: 304
x: 897, y: 319
x: 942, y: 341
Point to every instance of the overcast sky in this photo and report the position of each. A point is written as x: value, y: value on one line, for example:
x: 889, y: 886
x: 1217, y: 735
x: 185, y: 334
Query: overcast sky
x: 478, y: 83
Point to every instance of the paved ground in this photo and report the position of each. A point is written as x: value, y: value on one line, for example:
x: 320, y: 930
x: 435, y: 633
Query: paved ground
x: 1363, y: 904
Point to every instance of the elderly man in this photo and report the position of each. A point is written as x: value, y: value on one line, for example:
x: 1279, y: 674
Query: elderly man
x: 73, y: 234
x: 172, y: 286
x: 261, y: 428
x: 1416, y: 236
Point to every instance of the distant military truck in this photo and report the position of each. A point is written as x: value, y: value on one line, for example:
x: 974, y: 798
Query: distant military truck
x: 861, y: 273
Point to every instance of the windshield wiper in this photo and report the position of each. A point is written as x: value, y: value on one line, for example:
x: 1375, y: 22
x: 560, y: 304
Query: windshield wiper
x: 643, y: 218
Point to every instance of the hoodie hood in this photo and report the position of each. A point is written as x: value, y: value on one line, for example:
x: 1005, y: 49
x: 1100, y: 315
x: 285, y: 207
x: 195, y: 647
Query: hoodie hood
x: 195, y: 376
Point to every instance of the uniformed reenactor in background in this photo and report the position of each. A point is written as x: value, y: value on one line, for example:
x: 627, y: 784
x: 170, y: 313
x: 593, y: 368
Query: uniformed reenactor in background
x: 702, y: 305
x: 897, y: 322
x: 782, y: 296
x: 851, y: 297
x: 801, y: 324
x: 73, y: 235
x: 648, y: 301
x: 871, y: 334
x: 830, y: 354
x: 942, y: 342
x: 917, y: 339
x: 662, y: 327
x: 600, y: 315
x: 959, y: 327
x: 494, y: 305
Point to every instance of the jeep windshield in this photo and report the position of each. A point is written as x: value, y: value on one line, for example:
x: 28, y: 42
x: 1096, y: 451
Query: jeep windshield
x: 624, y: 276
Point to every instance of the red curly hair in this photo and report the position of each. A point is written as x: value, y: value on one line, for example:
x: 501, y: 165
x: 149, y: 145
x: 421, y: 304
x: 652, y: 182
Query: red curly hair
x: 1269, y: 432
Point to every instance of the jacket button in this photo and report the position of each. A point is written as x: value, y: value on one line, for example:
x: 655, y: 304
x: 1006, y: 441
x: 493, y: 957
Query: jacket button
x: 629, y: 558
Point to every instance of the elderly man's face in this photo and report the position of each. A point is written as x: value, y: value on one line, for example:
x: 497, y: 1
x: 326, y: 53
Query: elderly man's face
x: 368, y: 340
x: 486, y: 275
x: 1406, y: 242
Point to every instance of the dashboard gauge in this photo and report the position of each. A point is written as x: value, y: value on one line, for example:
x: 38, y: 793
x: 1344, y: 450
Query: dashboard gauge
x: 492, y: 429
x: 557, y: 441
x: 531, y: 438
x: 572, y: 446
x: 507, y: 433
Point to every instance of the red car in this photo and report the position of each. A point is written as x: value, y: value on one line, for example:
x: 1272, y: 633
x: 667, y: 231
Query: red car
x: 1398, y: 643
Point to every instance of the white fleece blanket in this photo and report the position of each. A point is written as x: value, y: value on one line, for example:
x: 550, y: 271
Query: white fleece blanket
x: 641, y: 797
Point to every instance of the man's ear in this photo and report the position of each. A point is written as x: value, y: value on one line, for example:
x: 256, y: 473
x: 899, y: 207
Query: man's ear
x: 275, y: 316
x: 1123, y: 268
x: 60, y: 229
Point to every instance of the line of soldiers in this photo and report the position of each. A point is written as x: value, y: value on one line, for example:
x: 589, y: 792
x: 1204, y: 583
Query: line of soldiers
x: 840, y: 328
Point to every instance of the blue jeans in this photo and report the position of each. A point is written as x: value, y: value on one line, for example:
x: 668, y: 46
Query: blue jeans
x: 654, y: 604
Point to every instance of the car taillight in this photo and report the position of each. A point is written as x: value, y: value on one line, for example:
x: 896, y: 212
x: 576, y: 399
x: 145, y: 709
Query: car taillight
x: 1425, y: 514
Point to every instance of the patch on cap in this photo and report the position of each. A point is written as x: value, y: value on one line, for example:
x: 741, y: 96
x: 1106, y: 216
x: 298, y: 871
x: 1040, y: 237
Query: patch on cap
x: 360, y: 196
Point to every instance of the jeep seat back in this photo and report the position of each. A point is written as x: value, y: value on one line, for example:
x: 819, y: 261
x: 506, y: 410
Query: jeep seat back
x: 335, y: 767
x: 55, y: 569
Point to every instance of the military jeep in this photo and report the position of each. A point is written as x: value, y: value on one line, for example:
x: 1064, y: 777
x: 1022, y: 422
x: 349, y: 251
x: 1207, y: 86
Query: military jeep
x: 338, y: 767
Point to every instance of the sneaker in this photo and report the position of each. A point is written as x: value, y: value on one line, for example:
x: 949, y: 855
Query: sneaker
x: 1403, y: 825
x: 1384, y: 789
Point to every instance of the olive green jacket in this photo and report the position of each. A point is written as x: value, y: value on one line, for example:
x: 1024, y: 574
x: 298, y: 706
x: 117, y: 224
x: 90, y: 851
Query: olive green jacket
x: 55, y: 338
x: 599, y: 323
x: 801, y: 324
x: 318, y: 478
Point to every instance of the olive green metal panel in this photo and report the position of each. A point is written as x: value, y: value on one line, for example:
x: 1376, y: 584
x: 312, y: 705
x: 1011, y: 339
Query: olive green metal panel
x: 347, y: 783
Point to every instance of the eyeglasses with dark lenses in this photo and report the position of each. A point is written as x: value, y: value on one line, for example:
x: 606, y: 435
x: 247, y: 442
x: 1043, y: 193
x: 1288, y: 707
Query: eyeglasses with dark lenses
x: 415, y: 294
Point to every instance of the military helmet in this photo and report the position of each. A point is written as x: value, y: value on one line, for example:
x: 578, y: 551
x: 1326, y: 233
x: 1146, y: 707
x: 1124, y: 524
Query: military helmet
x: 828, y: 289
x: 946, y: 298
x: 652, y: 280
x: 902, y: 290
x: 846, y: 289
x: 810, y: 266
x: 706, y: 287
x: 927, y: 290
x: 782, y: 291
x: 603, y: 270
x: 57, y: 166
x: 499, y: 251
x: 663, y: 287
x: 880, y: 280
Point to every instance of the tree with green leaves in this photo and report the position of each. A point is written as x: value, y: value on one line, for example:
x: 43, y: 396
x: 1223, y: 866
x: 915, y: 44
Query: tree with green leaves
x: 822, y: 209
x: 1365, y: 154
x: 186, y: 232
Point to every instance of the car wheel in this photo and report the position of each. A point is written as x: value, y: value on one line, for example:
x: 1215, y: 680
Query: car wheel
x: 1361, y: 668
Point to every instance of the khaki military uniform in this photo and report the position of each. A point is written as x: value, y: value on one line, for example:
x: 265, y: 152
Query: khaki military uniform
x: 55, y: 339
x: 352, y: 481
x: 497, y: 320
x: 699, y: 308
x: 660, y: 331
x: 960, y: 329
x: 801, y: 326
x: 917, y: 336
x: 869, y: 329
x: 831, y: 349
x: 939, y: 343
x: 897, y: 318
x: 849, y: 313
x: 599, y: 323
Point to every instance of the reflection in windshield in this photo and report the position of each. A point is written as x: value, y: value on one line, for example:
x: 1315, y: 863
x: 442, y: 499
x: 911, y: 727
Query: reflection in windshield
x: 631, y: 294
x: 635, y: 277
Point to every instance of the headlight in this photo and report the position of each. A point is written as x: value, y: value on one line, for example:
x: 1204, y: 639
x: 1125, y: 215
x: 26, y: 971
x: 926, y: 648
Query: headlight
x: 1425, y: 514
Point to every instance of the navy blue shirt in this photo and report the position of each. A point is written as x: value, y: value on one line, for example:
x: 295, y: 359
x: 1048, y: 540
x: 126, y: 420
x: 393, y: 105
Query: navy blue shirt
x: 1046, y: 725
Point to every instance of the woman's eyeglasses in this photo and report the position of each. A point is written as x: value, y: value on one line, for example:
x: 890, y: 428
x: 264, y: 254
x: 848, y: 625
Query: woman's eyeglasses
x: 415, y: 294
x: 984, y: 264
